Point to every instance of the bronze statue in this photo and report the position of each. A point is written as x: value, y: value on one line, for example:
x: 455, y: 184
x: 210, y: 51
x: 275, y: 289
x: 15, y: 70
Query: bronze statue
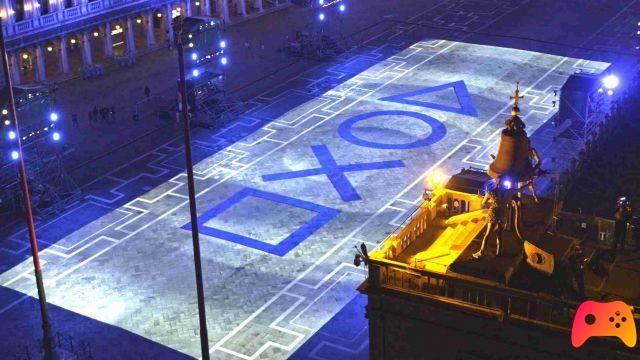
x: 494, y: 220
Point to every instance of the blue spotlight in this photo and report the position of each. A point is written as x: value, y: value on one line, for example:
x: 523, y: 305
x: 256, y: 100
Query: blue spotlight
x: 611, y: 82
x: 223, y: 44
x: 506, y: 184
x: 53, y: 116
x: 194, y: 56
x: 224, y: 60
x: 321, y: 2
x: 55, y: 136
x: 12, y: 135
x: 15, y: 155
x: 342, y: 7
x: 321, y: 16
x: 195, y: 72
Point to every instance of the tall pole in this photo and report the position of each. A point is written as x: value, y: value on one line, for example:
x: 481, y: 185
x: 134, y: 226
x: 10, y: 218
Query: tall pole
x: 44, y: 312
x: 204, y: 337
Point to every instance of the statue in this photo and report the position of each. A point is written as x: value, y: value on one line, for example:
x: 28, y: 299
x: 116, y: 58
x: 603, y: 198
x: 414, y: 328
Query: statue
x: 494, y: 220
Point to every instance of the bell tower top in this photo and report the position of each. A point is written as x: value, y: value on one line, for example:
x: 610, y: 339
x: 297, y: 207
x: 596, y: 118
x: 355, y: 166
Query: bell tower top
x: 514, y: 125
x: 516, y: 110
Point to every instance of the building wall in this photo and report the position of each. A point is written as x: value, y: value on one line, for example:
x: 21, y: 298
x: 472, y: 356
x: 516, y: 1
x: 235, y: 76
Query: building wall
x: 405, y: 329
x: 46, y: 37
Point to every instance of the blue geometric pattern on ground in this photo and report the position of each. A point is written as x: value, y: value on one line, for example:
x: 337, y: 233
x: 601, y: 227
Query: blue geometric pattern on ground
x: 460, y: 88
x: 345, y: 336
x: 14, y: 252
x: 438, y: 130
x: 22, y: 321
x: 323, y: 216
x: 334, y: 172
x: 358, y: 65
x: 283, y: 105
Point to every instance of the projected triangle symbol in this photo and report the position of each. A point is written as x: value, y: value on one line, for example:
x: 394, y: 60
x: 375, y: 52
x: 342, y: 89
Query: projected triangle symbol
x: 465, y: 103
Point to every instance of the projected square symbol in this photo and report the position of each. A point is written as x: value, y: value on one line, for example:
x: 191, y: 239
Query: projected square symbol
x: 265, y: 221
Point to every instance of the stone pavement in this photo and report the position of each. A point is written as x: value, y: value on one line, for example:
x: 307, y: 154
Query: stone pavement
x: 129, y: 265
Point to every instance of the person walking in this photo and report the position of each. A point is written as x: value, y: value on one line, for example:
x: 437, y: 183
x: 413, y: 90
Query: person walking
x: 247, y: 48
x: 95, y: 113
x: 621, y: 216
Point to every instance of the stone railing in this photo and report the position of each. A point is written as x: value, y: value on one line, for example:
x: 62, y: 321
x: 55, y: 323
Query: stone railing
x: 474, y: 294
x: 440, y: 204
x: 74, y: 13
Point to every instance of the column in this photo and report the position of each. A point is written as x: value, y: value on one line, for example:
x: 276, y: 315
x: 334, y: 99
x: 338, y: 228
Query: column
x: 86, y: 48
x: 8, y: 20
x: 168, y: 27
x: 242, y: 7
x: 64, y: 57
x: 257, y: 4
x: 41, y: 74
x: 15, y: 68
x: 131, y: 45
x: 187, y: 6
x: 151, y: 38
x: 224, y: 10
x: 206, y: 7
x: 108, y: 40
x: 35, y: 9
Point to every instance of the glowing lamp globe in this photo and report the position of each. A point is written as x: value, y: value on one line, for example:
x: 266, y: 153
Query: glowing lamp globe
x: 610, y: 81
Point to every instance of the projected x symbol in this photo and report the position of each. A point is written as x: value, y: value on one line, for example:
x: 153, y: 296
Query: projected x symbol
x: 334, y: 172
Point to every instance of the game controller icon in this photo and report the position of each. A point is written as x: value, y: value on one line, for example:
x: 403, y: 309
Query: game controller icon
x: 603, y: 319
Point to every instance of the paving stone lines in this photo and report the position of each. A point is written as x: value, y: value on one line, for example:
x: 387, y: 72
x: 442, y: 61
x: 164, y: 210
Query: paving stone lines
x: 131, y: 267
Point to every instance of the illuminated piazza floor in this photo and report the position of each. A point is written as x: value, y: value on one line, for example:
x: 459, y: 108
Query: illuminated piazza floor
x: 281, y: 208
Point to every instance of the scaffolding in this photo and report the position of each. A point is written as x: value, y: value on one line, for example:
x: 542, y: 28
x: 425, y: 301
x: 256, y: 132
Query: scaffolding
x: 52, y: 188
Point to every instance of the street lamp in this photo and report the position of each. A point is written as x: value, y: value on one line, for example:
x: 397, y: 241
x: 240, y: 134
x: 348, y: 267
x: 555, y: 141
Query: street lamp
x: 204, y: 337
x: 49, y: 352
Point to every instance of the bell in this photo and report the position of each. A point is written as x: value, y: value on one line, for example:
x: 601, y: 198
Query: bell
x: 513, y: 160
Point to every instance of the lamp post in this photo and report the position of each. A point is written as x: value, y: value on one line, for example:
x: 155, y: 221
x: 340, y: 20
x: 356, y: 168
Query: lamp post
x: 204, y: 338
x: 49, y: 352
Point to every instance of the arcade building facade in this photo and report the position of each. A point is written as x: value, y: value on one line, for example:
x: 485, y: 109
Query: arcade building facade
x: 61, y: 38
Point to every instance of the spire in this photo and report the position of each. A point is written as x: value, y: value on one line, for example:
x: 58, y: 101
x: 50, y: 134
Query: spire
x: 516, y: 98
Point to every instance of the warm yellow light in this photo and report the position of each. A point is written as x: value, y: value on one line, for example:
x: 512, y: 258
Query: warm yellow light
x: 118, y: 27
x: 159, y: 15
x: 139, y: 21
x: 25, y: 56
x: 190, y: 45
x: 197, y: 3
x: 49, y: 48
x: 7, y: 122
x: 73, y: 41
x: 96, y: 34
x: 436, y: 178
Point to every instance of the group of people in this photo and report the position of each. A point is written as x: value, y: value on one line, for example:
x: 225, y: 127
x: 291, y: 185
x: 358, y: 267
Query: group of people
x: 105, y: 114
x: 605, y: 179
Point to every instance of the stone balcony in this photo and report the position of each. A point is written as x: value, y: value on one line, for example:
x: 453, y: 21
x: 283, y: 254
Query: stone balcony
x: 32, y: 30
